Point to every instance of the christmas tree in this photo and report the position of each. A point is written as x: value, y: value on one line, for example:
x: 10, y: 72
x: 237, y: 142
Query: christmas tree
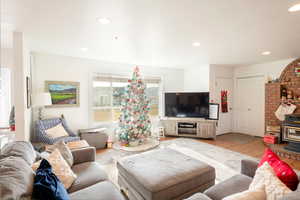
x: 134, y: 121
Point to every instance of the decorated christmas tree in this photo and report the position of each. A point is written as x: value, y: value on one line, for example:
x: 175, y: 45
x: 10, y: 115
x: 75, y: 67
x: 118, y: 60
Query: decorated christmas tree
x: 135, y: 125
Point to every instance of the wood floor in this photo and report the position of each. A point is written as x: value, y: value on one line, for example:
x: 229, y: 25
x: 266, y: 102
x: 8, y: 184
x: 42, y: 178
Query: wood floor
x: 252, y: 146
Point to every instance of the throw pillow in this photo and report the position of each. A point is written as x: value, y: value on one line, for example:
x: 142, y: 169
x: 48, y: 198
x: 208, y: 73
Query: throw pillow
x: 60, y: 168
x: 283, y: 171
x: 65, y: 152
x: 16, y: 178
x: 266, y: 178
x: 57, y: 131
x: 47, y: 185
x: 20, y: 149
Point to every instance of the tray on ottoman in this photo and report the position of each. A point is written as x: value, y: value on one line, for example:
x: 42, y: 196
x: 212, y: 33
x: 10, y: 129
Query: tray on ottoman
x: 163, y: 174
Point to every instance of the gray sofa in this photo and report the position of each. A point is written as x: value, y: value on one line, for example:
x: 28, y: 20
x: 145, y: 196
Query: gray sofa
x: 16, y: 176
x: 236, y: 184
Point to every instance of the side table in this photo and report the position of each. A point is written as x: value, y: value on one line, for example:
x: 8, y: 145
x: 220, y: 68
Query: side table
x: 94, y: 137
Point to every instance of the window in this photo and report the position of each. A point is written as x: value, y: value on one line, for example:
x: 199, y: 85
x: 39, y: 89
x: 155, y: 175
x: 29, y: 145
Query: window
x: 107, y: 94
x: 5, y: 96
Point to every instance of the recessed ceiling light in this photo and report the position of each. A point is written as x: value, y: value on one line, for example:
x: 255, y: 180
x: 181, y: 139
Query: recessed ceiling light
x: 295, y: 8
x: 103, y: 21
x: 196, y: 44
x: 266, y: 53
x: 84, y: 49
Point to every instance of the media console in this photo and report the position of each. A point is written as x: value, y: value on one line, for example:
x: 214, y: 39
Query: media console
x: 189, y: 127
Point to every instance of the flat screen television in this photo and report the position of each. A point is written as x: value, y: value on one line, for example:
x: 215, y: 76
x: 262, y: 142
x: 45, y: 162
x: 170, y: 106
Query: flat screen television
x: 187, y: 104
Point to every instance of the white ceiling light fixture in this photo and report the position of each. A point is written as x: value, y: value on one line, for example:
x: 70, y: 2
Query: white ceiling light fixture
x: 295, y: 8
x: 266, y: 53
x: 196, y: 44
x: 84, y: 49
x: 103, y: 21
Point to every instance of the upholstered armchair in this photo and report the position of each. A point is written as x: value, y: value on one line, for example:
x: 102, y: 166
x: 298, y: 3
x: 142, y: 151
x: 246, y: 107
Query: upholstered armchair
x: 43, y: 125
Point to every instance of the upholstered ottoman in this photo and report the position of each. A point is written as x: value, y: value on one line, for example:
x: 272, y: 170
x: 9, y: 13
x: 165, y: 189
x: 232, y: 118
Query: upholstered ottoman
x: 163, y: 174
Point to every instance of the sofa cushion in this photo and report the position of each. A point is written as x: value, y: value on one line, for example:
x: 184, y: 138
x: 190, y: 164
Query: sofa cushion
x: 16, y: 178
x: 101, y: 191
x: 60, y: 168
x: 65, y: 152
x: 199, y: 196
x: 88, y: 173
x: 235, y: 184
x: 21, y: 149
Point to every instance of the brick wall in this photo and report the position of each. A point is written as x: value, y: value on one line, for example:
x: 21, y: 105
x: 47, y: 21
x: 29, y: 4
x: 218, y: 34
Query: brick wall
x: 290, y: 81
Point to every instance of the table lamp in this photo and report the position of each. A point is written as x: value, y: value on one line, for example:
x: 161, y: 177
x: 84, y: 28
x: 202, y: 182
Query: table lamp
x: 41, y: 100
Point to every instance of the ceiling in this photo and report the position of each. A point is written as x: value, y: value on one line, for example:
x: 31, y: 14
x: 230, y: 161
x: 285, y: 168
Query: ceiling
x: 160, y: 32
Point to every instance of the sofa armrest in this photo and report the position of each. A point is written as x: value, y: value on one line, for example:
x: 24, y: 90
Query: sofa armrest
x: 248, y: 167
x: 87, y: 154
x: 291, y: 196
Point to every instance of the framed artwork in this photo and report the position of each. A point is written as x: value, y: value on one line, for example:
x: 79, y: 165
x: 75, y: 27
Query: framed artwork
x: 28, y: 92
x: 63, y: 93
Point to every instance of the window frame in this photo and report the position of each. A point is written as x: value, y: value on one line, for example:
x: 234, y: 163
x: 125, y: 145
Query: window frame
x: 91, y: 108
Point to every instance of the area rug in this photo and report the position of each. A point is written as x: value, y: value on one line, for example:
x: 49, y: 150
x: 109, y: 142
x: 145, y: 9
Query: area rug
x: 227, y: 163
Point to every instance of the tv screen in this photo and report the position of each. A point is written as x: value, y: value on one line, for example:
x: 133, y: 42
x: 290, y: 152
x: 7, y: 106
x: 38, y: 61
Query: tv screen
x: 187, y: 104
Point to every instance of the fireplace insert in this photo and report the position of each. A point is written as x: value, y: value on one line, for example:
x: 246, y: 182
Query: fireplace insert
x: 291, y: 132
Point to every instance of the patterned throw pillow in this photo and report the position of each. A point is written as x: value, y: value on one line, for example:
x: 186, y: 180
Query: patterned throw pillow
x: 264, y: 186
x: 56, y: 131
x: 65, y: 152
x: 60, y: 168
x: 283, y: 171
x: 274, y: 188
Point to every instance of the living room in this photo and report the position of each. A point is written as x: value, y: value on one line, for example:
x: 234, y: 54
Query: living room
x: 150, y: 99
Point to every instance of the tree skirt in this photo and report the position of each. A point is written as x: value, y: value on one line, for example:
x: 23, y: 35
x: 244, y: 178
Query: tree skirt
x: 150, y: 143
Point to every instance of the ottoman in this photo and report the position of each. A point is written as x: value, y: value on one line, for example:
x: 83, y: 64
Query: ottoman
x: 95, y: 137
x: 163, y: 174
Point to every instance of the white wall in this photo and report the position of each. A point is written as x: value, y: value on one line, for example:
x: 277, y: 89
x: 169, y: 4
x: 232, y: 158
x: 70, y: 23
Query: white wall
x: 196, y: 79
x: 61, y: 68
x: 218, y: 71
x: 21, y: 70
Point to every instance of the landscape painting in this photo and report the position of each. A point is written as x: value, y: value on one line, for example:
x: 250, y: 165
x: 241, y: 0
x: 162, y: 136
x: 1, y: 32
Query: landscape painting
x: 63, y: 94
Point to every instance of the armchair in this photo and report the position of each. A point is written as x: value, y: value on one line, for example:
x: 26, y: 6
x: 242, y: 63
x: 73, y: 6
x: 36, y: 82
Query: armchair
x: 43, y: 125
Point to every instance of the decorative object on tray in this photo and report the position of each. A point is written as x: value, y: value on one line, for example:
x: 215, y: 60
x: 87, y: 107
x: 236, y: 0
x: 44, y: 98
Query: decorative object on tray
x: 63, y: 93
x: 134, y: 123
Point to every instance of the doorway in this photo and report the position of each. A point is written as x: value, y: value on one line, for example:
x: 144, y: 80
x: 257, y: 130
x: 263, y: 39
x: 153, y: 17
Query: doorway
x: 250, y: 105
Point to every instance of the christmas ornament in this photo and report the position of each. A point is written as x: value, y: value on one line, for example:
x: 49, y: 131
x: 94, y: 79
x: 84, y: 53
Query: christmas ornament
x: 134, y: 122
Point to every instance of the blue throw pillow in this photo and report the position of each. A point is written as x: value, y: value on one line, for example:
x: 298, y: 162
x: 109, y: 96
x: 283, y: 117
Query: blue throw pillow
x: 46, y: 185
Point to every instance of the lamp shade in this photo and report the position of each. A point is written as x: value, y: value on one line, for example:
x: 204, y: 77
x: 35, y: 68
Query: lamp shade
x: 43, y: 99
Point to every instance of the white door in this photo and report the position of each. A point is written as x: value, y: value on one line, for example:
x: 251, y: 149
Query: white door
x: 225, y: 119
x: 249, y: 113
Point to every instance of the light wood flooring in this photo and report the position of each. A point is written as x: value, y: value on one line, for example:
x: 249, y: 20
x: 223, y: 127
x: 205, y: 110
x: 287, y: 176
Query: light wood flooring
x: 252, y: 146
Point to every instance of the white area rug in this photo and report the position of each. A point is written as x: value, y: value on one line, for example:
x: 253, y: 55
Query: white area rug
x: 148, y: 144
x: 226, y: 162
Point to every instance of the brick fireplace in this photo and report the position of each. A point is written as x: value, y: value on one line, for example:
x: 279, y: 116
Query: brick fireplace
x: 289, y: 81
